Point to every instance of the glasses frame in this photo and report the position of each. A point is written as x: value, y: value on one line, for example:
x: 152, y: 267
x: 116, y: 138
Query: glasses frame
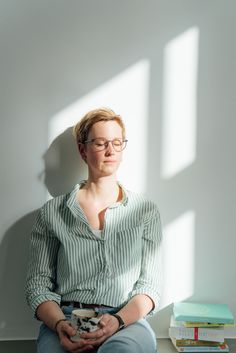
x: 106, y: 143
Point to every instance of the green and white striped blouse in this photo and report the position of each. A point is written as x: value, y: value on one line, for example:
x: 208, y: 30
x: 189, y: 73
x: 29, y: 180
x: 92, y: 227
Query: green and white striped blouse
x: 69, y: 262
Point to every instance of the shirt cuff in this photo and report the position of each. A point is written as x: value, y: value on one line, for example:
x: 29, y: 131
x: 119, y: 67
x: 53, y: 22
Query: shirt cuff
x: 36, y: 301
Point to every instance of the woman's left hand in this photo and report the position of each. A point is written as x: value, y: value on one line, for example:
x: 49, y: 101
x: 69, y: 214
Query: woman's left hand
x: 108, y: 326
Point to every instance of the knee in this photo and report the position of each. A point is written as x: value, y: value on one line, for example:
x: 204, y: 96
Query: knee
x: 116, y: 347
x: 124, y: 345
x: 138, y: 338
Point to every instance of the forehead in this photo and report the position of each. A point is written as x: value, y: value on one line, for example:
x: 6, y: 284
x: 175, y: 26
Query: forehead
x: 108, y: 129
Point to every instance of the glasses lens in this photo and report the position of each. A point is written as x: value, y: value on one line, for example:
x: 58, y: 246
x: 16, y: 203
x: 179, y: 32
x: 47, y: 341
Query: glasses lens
x: 117, y: 144
x: 99, y: 144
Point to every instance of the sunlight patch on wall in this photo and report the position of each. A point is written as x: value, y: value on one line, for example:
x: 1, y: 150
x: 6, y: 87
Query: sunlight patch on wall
x: 178, y: 259
x: 179, y: 103
x: 127, y: 94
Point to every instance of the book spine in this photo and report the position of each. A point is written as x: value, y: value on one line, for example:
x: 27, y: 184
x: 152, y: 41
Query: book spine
x: 187, y: 342
x: 203, y: 349
x: 197, y: 333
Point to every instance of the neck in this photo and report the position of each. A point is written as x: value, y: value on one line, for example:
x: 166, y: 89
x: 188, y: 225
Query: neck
x: 102, y: 188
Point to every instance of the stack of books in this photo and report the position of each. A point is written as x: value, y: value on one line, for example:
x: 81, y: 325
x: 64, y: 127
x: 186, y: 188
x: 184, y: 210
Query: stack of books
x: 197, y: 327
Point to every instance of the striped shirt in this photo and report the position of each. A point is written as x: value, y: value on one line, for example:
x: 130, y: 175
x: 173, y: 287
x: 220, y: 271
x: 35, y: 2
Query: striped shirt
x: 69, y: 262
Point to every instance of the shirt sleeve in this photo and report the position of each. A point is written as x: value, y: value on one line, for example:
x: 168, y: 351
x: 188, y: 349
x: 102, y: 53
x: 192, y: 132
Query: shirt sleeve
x: 150, y: 279
x: 40, y: 281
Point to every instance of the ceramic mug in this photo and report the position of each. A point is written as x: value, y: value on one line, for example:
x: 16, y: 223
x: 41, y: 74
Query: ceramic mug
x: 84, y: 320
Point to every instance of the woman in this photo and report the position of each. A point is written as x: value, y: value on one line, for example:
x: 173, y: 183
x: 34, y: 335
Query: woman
x: 98, y: 246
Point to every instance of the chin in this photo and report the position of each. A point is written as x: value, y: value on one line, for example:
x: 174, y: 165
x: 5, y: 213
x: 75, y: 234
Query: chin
x: 109, y: 171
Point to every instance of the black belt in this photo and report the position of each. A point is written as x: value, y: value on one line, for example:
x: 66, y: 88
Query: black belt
x: 83, y: 305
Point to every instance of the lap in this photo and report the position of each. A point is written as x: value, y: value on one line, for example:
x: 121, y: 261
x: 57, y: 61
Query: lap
x: 138, y: 338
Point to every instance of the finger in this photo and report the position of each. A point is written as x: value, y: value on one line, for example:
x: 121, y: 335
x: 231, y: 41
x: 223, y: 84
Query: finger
x: 68, y: 344
x: 66, y: 329
x: 104, y: 319
x: 102, y: 323
x: 88, y: 348
x: 96, y: 343
x: 77, y: 346
x: 69, y: 330
x: 93, y: 335
x: 107, y: 321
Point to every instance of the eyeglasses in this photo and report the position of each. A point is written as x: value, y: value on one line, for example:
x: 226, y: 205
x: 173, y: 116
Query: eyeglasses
x: 100, y: 144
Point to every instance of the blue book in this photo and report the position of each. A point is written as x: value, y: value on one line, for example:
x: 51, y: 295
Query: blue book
x: 199, y: 312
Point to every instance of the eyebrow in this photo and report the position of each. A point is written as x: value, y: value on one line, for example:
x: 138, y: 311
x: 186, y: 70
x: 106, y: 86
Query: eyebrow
x: 104, y: 138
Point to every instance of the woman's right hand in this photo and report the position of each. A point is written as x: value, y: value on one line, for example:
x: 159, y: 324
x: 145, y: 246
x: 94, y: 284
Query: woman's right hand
x: 65, y: 331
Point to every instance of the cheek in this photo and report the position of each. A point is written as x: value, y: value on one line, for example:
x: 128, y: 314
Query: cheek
x: 94, y: 159
x: 120, y: 157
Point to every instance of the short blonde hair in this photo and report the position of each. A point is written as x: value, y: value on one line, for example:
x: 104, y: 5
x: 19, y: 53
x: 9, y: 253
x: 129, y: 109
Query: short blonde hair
x: 82, y: 128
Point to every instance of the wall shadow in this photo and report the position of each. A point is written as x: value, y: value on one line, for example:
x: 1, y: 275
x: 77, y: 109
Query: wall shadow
x: 63, y: 169
x: 13, y: 265
x: 63, y: 166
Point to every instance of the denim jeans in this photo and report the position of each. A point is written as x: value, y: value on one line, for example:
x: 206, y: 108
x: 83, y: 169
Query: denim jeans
x: 136, y: 338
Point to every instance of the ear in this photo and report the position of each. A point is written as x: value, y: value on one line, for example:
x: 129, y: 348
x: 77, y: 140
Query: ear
x: 82, y: 151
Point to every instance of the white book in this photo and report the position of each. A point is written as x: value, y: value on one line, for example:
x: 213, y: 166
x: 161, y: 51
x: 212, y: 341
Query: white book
x: 202, y: 349
x: 178, y: 330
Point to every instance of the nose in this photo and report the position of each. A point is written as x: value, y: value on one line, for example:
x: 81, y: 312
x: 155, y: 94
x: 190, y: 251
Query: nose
x: 109, y: 148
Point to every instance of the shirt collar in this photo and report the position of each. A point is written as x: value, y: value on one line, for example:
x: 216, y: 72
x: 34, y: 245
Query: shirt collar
x: 73, y: 205
x: 124, y: 200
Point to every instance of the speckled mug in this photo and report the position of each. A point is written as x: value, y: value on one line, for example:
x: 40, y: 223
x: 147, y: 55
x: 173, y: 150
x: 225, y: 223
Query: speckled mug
x: 84, y: 320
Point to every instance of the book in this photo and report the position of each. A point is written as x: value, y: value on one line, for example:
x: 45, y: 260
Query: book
x: 204, y: 324
x: 222, y: 348
x: 200, y: 312
x: 179, y: 331
x: 188, y: 342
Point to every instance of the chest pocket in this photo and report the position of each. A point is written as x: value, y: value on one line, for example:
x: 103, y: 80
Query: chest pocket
x: 126, y: 248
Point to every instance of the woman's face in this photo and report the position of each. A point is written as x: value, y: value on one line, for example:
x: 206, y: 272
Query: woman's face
x: 107, y: 161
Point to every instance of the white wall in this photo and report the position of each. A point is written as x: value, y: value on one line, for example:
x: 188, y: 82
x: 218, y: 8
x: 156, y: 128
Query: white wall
x: 56, y: 53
